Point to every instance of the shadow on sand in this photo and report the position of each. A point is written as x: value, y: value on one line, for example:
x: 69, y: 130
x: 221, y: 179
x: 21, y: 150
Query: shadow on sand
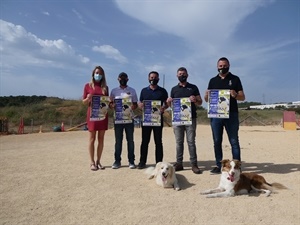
x: 259, y: 168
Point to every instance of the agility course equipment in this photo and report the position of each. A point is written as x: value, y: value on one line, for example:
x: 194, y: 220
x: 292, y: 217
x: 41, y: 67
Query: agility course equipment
x: 21, y: 126
x: 75, y: 127
x: 289, y: 120
x: 251, y: 117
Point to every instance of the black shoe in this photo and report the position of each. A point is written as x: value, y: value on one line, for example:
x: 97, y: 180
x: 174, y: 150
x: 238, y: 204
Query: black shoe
x: 196, y: 169
x: 216, y: 170
x: 141, y: 166
x: 178, y: 167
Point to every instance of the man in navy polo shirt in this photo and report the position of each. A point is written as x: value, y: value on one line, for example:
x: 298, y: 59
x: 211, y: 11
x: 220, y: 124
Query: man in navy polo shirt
x: 152, y: 92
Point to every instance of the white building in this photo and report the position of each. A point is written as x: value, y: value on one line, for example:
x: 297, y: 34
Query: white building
x: 273, y: 106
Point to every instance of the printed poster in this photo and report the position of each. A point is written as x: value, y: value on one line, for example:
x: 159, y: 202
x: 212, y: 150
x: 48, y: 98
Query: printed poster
x: 218, y: 104
x: 123, y: 111
x: 99, y: 107
x: 151, y: 113
x: 181, y: 111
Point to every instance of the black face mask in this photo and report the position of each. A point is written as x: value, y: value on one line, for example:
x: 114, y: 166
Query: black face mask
x: 153, y: 82
x: 182, y: 79
x: 223, y: 70
x: 123, y: 82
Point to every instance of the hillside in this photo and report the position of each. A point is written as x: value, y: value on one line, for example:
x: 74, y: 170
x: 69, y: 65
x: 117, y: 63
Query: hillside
x: 50, y: 112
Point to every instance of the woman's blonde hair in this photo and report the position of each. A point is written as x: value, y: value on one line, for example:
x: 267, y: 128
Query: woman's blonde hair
x: 103, y: 83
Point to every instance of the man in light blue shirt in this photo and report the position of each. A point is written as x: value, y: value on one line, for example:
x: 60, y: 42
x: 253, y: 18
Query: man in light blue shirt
x: 126, y: 111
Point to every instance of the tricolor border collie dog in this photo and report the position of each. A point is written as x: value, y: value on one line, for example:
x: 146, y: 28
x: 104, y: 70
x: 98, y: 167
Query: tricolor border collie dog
x: 233, y: 182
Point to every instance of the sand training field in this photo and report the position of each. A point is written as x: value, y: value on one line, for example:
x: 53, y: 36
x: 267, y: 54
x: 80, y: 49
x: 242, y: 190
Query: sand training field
x: 46, y: 179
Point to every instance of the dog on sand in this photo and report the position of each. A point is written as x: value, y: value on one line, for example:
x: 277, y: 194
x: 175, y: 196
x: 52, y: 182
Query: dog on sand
x: 233, y: 182
x: 164, y: 174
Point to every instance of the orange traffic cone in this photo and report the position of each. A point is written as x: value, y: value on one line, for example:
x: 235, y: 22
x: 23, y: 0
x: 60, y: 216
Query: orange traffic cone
x: 62, y: 127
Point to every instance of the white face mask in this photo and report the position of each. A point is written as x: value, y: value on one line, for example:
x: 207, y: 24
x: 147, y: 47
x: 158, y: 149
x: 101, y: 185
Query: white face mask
x: 97, y: 77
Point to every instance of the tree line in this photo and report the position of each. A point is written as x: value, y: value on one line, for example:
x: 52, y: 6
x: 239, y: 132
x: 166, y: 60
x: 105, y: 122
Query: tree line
x: 22, y: 100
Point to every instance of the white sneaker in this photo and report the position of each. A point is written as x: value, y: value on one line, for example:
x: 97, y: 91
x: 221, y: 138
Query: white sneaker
x: 132, y: 166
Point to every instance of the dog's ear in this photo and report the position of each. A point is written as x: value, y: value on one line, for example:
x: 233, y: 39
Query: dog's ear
x: 158, y: 165
x: 238, y: 163
x: 224, y: 161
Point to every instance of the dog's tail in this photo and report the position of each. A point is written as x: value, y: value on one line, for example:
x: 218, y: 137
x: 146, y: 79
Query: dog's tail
x: 278, y: 186
x: 270, y: 188
x: 150, y: 171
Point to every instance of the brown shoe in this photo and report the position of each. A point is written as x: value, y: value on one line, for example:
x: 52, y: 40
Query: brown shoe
x: 196, y: 170
x: 178, y: 166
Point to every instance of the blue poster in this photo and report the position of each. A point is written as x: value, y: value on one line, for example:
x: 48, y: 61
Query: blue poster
x: 218, y: 104
x: 181, y: 111
x: 123, y: 111
x: 99, y: 107
x: 151, y: 113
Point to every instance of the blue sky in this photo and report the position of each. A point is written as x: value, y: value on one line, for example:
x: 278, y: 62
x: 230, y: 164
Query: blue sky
x: 50, y: 47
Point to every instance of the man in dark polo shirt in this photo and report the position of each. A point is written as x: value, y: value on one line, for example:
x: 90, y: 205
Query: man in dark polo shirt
x: 226, y: 80
x: 182, y: 90
x: 152, y: 92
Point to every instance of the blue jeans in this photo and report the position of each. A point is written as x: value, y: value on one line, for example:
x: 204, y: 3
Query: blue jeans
x: 146, y: 134
x: 232, y: 127
x: 190, y: 131
x: 129, y: 129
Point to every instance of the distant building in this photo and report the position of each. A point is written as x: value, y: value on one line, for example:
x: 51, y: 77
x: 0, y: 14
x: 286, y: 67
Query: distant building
x: 273, y: 106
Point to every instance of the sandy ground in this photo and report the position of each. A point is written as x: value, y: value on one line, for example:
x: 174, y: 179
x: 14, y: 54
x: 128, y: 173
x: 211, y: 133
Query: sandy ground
x: 46, y: 179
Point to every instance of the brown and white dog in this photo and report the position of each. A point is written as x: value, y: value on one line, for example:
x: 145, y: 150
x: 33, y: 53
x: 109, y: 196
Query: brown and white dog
x: 164, y: 173
x: 233, y: 182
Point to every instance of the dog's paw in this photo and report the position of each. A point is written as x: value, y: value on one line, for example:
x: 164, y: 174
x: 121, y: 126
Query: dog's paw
x: 150, y: 177
x: 204, y: 192
x: 210, y: 196
x: 177, y: 189
x: 268, y: 193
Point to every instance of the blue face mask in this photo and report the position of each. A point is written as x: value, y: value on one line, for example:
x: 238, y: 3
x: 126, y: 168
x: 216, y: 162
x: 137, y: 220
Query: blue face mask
x: 97, y: 77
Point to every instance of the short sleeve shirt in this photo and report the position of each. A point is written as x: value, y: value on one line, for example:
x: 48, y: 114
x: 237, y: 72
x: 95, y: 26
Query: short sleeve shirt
x: 119, y: 92
x: 231, y: 82
x: 186, y: 91
x: 158, y: 93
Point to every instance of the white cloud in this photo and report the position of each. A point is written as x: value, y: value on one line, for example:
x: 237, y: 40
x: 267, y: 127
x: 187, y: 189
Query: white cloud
x: 78, y: 16
x: 111, y: 53
x: 195, y: 21
x: 46, y: 13
x: 37, y: 66
x: 210, y: 30
x: 55, y: 47
x: 27, y: 49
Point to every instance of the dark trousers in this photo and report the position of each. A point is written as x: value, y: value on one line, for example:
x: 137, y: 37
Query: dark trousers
x: 146, y: 134
x: 129, y: 129
x: 232, y: 127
